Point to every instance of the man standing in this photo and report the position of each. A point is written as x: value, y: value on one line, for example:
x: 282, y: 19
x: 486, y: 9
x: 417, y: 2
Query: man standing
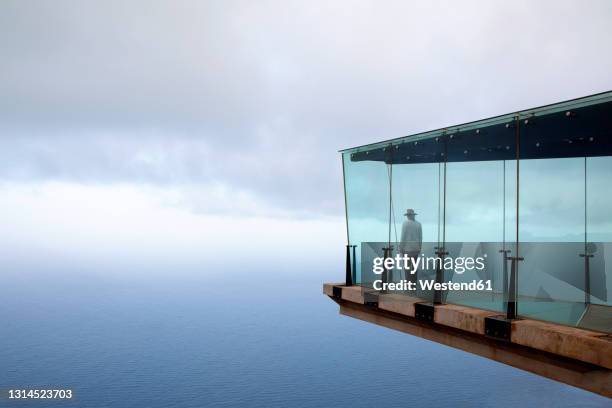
x: 411, y: 241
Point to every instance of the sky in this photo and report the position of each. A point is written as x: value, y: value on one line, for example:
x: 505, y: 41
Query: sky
x: 183, y: 130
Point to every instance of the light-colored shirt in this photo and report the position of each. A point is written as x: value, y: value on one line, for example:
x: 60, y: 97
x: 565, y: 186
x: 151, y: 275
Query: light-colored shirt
x: 412, y: 237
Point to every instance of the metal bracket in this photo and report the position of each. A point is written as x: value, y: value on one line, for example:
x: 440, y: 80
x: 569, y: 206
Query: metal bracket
x: 498, y: 327
x: 370, y: 299
x: 424, y: 311
x: 337, y: 292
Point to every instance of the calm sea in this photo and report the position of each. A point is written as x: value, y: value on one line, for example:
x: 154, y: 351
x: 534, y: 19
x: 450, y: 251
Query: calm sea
x: 233, y: 339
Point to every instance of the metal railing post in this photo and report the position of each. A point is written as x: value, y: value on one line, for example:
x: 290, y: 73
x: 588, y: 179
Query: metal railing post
x: 511, y: 309
x: 587, y: 277
x: 385, y: 274
x: 439, y: 274
x: 354, y: 270
x: 349, y: 269
x: 505, y: 253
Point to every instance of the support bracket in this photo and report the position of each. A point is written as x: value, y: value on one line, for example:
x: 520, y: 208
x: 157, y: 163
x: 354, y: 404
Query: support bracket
x: 424, y: 311
x: 370, y: 299
x: 498, y: 327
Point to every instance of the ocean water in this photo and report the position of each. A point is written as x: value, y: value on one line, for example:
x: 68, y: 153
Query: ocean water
x: 233, y: 340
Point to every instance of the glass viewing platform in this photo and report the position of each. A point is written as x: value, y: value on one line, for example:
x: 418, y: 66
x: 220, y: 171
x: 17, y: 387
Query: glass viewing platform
x: 493, y: 237
x: 529, y: 193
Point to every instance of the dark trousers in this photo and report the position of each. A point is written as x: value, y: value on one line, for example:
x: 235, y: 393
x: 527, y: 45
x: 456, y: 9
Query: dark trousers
x: 411, y: 277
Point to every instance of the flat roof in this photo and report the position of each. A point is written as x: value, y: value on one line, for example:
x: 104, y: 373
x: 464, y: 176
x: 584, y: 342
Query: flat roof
x: 576, y: 103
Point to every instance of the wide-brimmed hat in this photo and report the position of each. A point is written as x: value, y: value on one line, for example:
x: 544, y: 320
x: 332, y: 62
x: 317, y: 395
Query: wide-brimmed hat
x: 410, y: 211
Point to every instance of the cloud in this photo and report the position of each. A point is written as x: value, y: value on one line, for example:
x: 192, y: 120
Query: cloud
x: 255, y: 99
x: 128, y: 224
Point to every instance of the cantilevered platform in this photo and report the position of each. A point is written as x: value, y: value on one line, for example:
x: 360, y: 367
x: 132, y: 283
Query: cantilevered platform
x: 574, y: 356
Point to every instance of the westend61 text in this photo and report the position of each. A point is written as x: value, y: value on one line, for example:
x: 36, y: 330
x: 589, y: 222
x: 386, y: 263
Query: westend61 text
x: 431, y: 284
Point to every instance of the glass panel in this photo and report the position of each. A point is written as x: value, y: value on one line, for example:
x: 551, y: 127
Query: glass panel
x: 367, y: 204
x: 598, y: 275
x: 407, y: 220
x: 565, y: 223
x: 418, y: 207
x: 552, y: 200
x: 417, y: 212
x: 481, y: 208
x: 552, y: 221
